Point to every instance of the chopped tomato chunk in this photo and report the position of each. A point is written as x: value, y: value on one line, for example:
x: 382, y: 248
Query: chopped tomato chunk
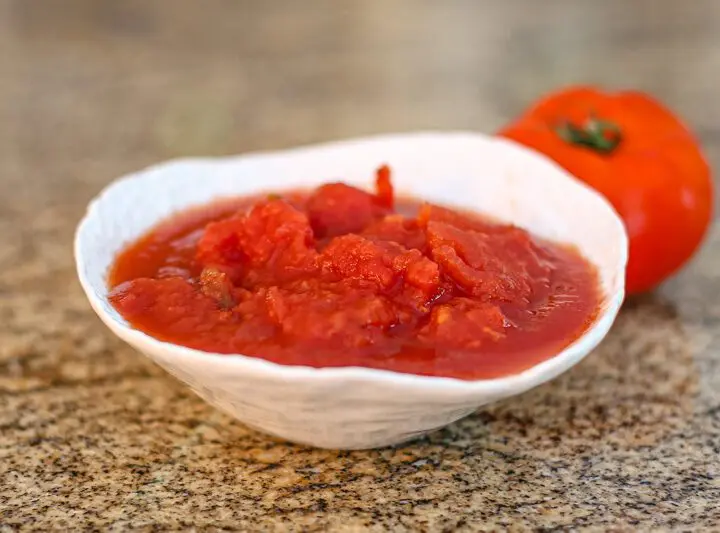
x: 334, y: 313
x: 336, y: 209
x: 271, y: 243
x: 466, y: 324
x: 354, y: 257
x: 399, y: 229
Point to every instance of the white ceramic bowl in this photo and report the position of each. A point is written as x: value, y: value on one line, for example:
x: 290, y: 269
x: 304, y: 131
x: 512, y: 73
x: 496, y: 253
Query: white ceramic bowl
x: 354, y: 407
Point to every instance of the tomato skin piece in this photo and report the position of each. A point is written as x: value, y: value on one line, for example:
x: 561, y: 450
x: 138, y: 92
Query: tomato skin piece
x: 385, y: 193
x: 655, y: 176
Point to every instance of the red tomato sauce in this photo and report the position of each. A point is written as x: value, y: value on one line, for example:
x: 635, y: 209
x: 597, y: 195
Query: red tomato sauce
x: 342, y: 277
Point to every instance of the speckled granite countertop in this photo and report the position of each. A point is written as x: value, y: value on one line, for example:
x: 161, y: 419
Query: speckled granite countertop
x: 94, y: 436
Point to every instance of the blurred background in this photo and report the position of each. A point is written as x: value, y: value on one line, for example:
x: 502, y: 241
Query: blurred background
x: 91, y: 89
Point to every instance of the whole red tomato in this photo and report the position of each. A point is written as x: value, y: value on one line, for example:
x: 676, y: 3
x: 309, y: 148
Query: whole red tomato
x: 641, y: 158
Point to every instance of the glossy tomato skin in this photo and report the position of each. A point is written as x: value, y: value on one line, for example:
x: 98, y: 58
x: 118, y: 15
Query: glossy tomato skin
x: 655, y: 177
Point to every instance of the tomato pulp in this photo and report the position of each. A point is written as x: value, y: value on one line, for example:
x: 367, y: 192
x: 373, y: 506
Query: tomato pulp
x: 342, y: 277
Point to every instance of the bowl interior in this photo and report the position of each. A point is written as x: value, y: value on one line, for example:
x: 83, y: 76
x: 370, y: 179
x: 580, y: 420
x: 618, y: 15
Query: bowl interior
x: 468, y: 171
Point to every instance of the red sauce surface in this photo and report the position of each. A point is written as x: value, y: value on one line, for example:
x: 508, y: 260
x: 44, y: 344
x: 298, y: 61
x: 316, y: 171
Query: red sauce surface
x: 342, y: 277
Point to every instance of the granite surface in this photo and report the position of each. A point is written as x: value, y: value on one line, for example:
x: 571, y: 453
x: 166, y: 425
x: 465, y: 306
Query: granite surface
x: 94, y: 436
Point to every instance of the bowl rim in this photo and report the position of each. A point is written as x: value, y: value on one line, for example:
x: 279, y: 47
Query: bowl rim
x: 258, y: 367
